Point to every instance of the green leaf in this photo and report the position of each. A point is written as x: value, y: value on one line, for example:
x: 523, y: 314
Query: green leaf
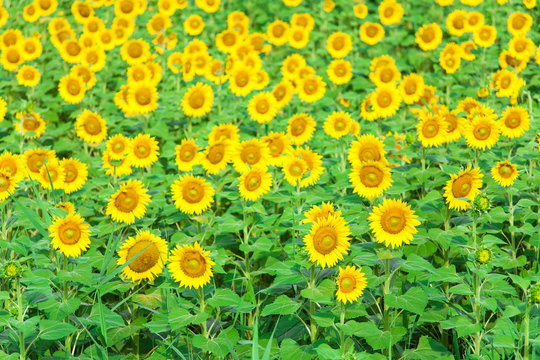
x: 283, y: 305
x: 54, y: 330
x: 414, y: 300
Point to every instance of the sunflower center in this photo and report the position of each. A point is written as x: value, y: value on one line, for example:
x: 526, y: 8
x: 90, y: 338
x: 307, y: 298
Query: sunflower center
x: 518, y: 22
x: 196, y: 100
x: 278, y: 30
x: 428, y: 36
x: 512, y: 121
x: 262, y: 106
x: 143, y: 97
x: 462, y: 186
x: 347, y: 284
x: 92, y: 126
x: 371, y: 176
x: 142, y: 151
x: 371, y: 31
x: 242, y: 79
x: 251, y: 155
x: 387, y: 75
x: 485, y: 34
x: 30, y: 124
x: 118, y: 147
x: 274, y: 149
x: 4, y: 182
x: 252, y: 182
x: 187, y: 155
x: 482, y: 132
x: 430, y: 130
x: 340, y: 125
x: 229, y: 39
x: 73, y: 87
x: 71, y: 173
x: 393, y: 221
x: 146, y: 260
x: 127, y: 200
x: 70, y: 234
x: 340, y: 71
x: 325, y: 240
x: 310, y: 87
x: 339, y: 43
x: 298, y: 126
x: 193, y: 192
x: 35, y: 162
x: 193, y: 264
x: 296, y: 170
x: 216, y: 153
x: 410, y: 89
x: 135, y: 50
x: 505, y: 171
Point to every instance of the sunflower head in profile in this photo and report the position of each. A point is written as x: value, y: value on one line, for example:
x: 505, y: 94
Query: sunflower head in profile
x: 432, y: 130
x: 514, y: 122
x: 464, y: 185
x: 318, y: 212
x: 351, y: 283
x: 129, y: 202
x: 192, y: 194
x: 76, y: 173
x: 393, y: 223
x: 370, y: 179
x: 7, y: 184
x: 147, y: 254
x: 70, y: 235
x: 143, y: 150
x: 327, y: 241
x: 91, y: 127
x: 504, y: 173
x: 190, y: 265
x: 198, y: 100
x: 254, y: 183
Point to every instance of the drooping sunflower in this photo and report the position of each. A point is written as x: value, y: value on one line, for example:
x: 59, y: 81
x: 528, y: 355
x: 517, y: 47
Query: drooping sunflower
x: 250, y: 153
x: 327, y: 241
x: 7, y: 184
x: 254, y: 183
x: 370, y: 179
x: 262, y: 107
x: 294, y: 169
x: 337, y: 124
x: 366, y: 149
x: 339, y: 44
x: 300, y: 128
x: 192, y: 195
x: 118, y: 146
x: 70, y: 235
x: 76, y: 173
x: 13, y: 164
x: 30, y: 124
x: 186, y: 155
x: 393, y: 223
x: 28, y: 76
x: 311, y: 88
x: 148, y: 255
x: 71, y: 89
x: 316, y: 213
x: 91, y: 127
x: 35, y: 158
x: 116, y: 167
x: 351, y: 283
x: 385, y: 101
x: 314, y: 164
x: 390, y: 12
x: 371, y: 33
x: 428, y: 37
x: 432, y: 130
x: 514, y: 122
x: 129, y: 202
x: 482, y: 132
x: 143, y: 150
x: 504, y: 173
x: 198, y: 100
x: 191, y: 266
x: 339, y: 71
x: 465, y: 185
x: 142, y: 98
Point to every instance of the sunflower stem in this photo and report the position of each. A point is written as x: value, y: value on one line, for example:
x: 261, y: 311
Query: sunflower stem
x: 22, y: 348
x: 65, y: 293
x: 423, y: 170
x: 511, y: 222
x: 526, y: 333
x: 203, y: 306
x: 312, y: 307
x: 474, y: 231
x: 342, y: 322
x: 475, y: 157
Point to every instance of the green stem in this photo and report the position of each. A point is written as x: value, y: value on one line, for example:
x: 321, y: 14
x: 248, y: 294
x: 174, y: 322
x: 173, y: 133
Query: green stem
x: 423, y: 170
x: 22, y: 349
x: 477, y: 309
x: 511, y: 221
x: 342, y: 322
x: 203, y: 306
x: 474, y: 231
x: 65, y: 293
x: 526, y: 331
x: 312, y: 307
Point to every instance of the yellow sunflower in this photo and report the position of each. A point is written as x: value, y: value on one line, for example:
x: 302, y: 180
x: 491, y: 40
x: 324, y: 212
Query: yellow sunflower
x: 316, y: 213
x: 7, y: 184
x: 466, y: 48
x: 351, y: 283
x: 504, y: 173
x: 241, y: 80
x: 143, y: 150
x: 67, y: 207
x: 129, y: 202
x: 13, y: 164
x: 366, y: 149
x: 314, y: 165
x: 198, y: 100
x: 428, y: 37
x: 483, y: 132
x: 70, y: 235
x: 250, y: 153
x: 224, y: 132
x: 118, y: 146
x: 311, y: 88
x: 28, y: 76
x: 339, y: 45
x: 485, y: 35
x: 432, y: 130
x: 135, y: 51
x: 216, y: 156
x: 71, y: 88
x: 209, y: 6
x: 411, y: 88
x: 514, y: 122
x: 371, y: 33
x: 278, y: 32
x: 142, y: 98
x: 456, y: 22
x: 300, y: 128
x: 76, y: 173
x: 370, y: 179
x: 254, y: 183
x: 338, y: 124
x: 52, y: 175
x: 147, y: 253
x: 390, y: 12
x: 262, y: 107
x: 465, y: 185
x: 91, y: 127
x: 327, y: 241
x: 339, y: 71
x: 455, y: 124
x: 30, y: 124
x: 294, y: 169
x: 385, y: 101
x: 35, y: 158
x: 519, y: 23
x: 11, y: 57
x: 191, y: 266
x: 360, y: 11
x: 186, y: 155
x: 116, y: 167
x: 278, y: 144
x: 298, y: 37
x: 283, y: 92
x: 393, y: 223
x: 385, y: 75
x: 192, y: 195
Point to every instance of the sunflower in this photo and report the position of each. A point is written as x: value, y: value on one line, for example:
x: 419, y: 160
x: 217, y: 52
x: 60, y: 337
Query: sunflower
x: 70, y: 235
x: 519, y: 23
x: 227, y: 40
x: 250, y: 153
x: 194, y: 25
x: 241, y: 80
x: 466, y: 48
x: 385, y: 101
x: 339, y: 45
x: 216, y: 156
x: 262, y: 107
x: 485, y: 35
x: 191, y: 266
x: 76, y: 173
x: 474, y: 20
x: 504, y: 173
x: 147, y: 253
x: 385, y: 75
x: 116, y: 167
x: 224, y: 132
x: 35, y: 158
x: 142, y: 98
x: 393, y: 223
x: 521, y: 47
x: 455, y: 124
x: 411, y: 88
x: 198, y: 100
x: 186, y: 155
x: 158, y: 23
x: 339, y: 71
x: 450, y: 63
x: 129, y: 202
x: 67, y: 207
x: 337, y: 124
x: 428, y: 37
x: 13, y: 165
x: 390, y: 12
x: 314, y: 165
x: 514, y: 122
x: 466, y: 184
x: 366, y: 110
x: 254, y: 183
x: 7, y: 184
x: 117, y: 146
x: 298, y: 37
x: 71, y: 88
x: 135, y: 51
x: 351, y: 283
x: 304, y: 20
x: 11, y: 57
x: 91, y: 127
x: 94, y: 58
x: 370, y: 179
x: 294, y: 169
x: 278, y: 32
x: 482, y: 132
x: 143, y: 150
x: 88, y: 76
x: 371, y: 33
x: 30, y: 14
x: 30, y: 124
x: 432, y: 130
x: 28, y: 76
x: 209, y: 6
x: 327, y: 241
x: 456, y: 22
x: 507, y: 83
x: 300, y: 128
x: 507, y: 60
x: 278, y: 145
x: 316, y: 213
x: 192, y: 195
x: 366, y: 149
x: 311, y: 88
x: 71, y: 51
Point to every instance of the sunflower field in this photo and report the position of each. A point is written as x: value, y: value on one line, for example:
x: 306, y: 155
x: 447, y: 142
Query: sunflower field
x: 282, y: 179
